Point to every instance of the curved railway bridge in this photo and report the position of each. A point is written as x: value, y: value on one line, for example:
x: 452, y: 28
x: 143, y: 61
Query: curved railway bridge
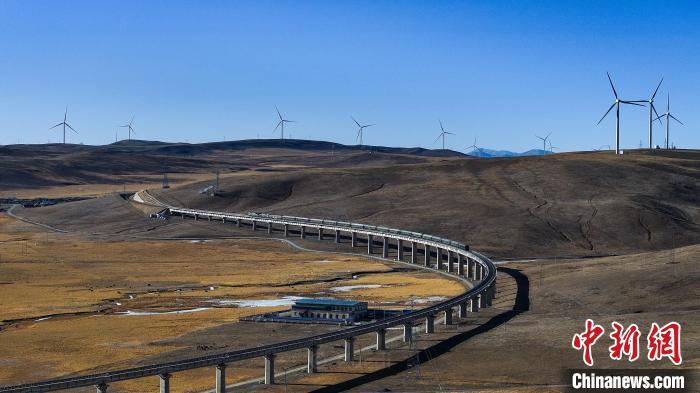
x: 430, y: 252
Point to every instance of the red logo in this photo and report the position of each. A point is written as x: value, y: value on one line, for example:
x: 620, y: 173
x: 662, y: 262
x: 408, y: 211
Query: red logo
x: 665, y: 342
x: 662, y: 342
x: 626, y: 342
x: 587, y: 339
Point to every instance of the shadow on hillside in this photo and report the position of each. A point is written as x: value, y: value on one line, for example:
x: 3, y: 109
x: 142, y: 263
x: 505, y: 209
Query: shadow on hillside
x: 522, y: 304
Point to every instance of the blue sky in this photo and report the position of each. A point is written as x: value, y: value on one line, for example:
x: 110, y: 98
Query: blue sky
x: 500, y: 71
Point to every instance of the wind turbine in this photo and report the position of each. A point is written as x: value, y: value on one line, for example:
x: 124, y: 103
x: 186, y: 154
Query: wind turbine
x: 551, y: 148
x: 475, y: 148
x: 668, y: 117
x: 64, y: 124
x: 281, y: 123
x: 652, y: 110
x: 131, y: 129
x: 360, y: 128
x: 616, y: 104
x: 442, y: 135
x: 544, y: 142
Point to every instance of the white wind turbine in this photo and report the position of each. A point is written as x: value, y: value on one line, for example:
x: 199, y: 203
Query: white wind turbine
x: 668, y: 117
x: 360, y: 129
x: 280, y: 124
x: 442, y: 135
x: 65, y: 124
x: 616, y: 104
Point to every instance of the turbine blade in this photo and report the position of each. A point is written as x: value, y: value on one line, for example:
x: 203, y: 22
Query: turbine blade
x: 606, y: 113
x: 674, y: 118
x: 657, y: 89
x: 655, y: 112
x: 449, y: 133
x: 631, y: 103
x: 278, y: 126
x: 278, y: 113
x: 56, y: 125
x: 436, y: 139
x: 368, y: 125
x: 356, y: 122
x: 68, y: 125
x: 668, y: 102
x: 611, y: 85
x: 441, y: 128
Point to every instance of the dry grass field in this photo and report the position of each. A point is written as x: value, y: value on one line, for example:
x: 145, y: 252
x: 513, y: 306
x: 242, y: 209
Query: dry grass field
x: 592, y: 235
x: 70, y: 305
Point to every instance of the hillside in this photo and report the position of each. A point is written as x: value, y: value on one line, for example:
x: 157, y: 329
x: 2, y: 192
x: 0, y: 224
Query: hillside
x: 36, y: 166
x: 581, y: 204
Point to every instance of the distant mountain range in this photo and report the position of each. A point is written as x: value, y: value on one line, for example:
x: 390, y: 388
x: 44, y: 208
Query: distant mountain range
x: 488, y: 153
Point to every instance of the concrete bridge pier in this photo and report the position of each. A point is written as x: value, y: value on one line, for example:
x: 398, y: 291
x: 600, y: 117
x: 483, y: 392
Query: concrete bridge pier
x: 223, y: 220
x: 430, y: 324
x: 302, y: 230
x: 450, y: 266
x: 381, y: 340
x: 474, y: 304
x: 460, y: 265
x: 462, y: 312
x: 448, y: 316
x: 102, y: 388
x: 475, y: 271
x: 337, y: 236
x: 479, y: 301
x: 407, y: 332
x: 370, y: 244
x: 399, y: 247
x: 208, y: 218
x: 493, y: 290
x: 479, y: 272
x: 269, y: 228
x: 238, y: 222
x: 414, y: 251
x: 312, y: 355
x: 270, y: 369
x: 349, y: 349
x: 353, y: 239
x: 286, y: 230
x: 195, y: 217
x: 385, y: 247
x: 426, y: 256
x: 165, y: 383
x: 255, y: 225
x: 221, y: 378
x: 320, y: 233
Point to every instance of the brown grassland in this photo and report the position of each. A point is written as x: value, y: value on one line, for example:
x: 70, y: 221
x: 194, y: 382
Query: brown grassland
x: 63, y: 298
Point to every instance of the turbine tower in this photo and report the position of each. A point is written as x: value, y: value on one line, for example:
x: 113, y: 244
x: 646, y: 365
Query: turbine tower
x: 544, y: 142
x: 280, y: 124
x: 360, y: 128
x: 616, y: 104
x: 131, y: 129
x: 668, y: 117
x: 442, y: 135
x: 652, y: 110
x: 64, y: 124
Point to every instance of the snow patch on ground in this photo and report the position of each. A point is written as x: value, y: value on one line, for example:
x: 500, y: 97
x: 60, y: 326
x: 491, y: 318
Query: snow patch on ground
x: 349, y: 288
x: 143, y: 313
x: 283, y: 301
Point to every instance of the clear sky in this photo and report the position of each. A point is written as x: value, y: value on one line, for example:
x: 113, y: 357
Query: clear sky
x: 500, y: 71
